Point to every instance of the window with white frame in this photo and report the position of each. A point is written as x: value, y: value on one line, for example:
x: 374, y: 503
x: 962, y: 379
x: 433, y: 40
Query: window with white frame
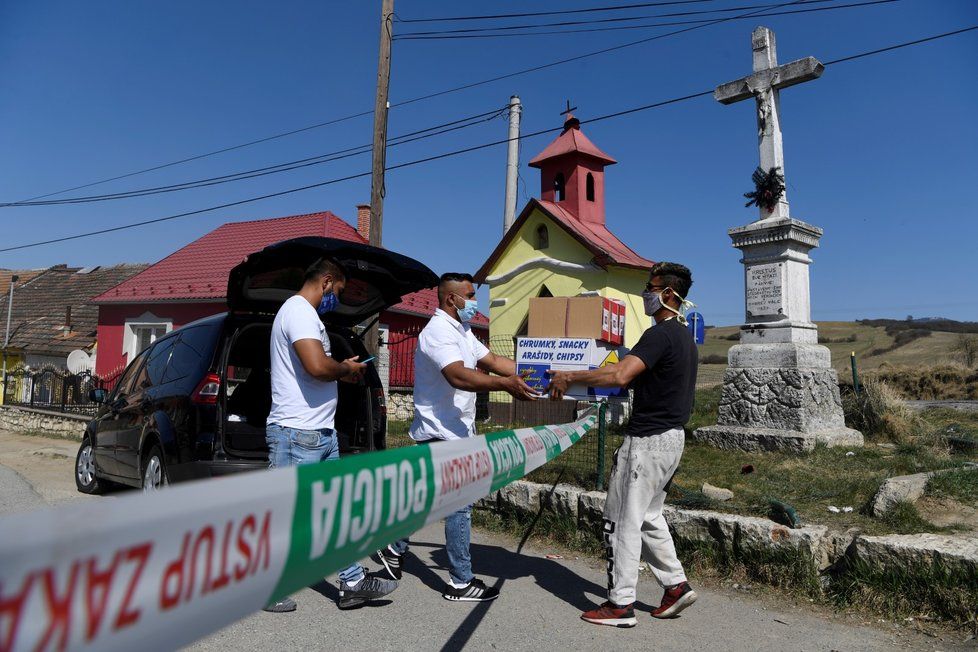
x: 142, y: 331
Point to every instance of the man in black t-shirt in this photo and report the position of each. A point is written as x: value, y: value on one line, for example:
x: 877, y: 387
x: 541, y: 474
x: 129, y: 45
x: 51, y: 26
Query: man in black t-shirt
x: 661, y: 370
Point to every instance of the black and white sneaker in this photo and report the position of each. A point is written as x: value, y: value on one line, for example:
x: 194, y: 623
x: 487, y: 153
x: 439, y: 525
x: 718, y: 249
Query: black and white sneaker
x: 367, y: 589
x: 474, y: 591
x: 391, y: 561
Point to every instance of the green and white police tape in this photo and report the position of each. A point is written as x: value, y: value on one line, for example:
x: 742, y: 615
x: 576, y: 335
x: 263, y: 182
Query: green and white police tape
x: 164, y: 569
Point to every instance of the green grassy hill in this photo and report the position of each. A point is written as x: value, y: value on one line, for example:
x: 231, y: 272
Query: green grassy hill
x: 873, y: 347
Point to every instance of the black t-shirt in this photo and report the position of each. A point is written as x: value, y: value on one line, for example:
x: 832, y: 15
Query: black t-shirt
x: 664, y: 391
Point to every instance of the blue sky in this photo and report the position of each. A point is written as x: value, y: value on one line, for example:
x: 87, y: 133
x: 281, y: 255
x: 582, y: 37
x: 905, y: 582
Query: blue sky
x: 882, y: 152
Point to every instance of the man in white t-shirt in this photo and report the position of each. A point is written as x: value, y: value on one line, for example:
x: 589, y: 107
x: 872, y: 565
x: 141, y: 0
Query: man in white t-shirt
x: 447, y: 376
x: 300, y: 429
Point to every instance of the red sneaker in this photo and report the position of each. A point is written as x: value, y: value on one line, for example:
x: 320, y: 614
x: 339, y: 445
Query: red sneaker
x: 611, y: 614
x: 674, y: 600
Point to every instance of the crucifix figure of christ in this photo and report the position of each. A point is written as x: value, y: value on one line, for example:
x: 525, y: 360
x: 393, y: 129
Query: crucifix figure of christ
x: 764, y: 86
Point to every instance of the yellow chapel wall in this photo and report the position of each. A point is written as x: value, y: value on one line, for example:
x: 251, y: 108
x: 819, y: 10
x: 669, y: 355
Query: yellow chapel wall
x: 617, y: 282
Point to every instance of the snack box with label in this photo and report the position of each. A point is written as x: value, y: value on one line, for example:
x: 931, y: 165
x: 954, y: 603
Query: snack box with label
x: 537, y: 355
x: 597, y: 318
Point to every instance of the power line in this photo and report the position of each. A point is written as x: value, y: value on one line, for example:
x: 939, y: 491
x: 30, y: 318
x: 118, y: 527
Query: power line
x: 449, y: 36
x: 593, y: 21
x: 455, y: 152
x: 413, y: 100
x: 548, y: 13
x: 410, y: 137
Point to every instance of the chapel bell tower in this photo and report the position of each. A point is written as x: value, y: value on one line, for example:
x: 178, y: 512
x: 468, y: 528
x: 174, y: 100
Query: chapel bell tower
x: 572, y: 172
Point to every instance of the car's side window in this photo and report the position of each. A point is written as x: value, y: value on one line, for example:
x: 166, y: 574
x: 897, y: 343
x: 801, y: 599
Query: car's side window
x: 159, y: 356
x: 124, y: 386
x: 192, y: 353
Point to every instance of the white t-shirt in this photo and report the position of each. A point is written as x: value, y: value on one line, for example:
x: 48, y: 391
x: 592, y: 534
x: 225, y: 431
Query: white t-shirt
x: 299, y: 400
x: 440, y: 410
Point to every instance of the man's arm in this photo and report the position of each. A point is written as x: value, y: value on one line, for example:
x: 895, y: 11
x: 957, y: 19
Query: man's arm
x: 497, y: 364
x: 612, y: 375
x: 322, y: 367
x: 472, y: 380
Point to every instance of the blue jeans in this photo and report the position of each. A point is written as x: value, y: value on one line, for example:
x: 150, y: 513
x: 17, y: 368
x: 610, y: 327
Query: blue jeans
x: 291, y: 447
x: 458, y: 537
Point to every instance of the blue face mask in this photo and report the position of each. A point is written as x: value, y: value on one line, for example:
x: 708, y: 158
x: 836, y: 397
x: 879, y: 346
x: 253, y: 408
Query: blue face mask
x: 328, y: 304
x: 468, y: 312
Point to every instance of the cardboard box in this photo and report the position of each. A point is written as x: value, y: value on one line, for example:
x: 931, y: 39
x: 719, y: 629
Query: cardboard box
x: 597, y: 318
x: 536, y: 355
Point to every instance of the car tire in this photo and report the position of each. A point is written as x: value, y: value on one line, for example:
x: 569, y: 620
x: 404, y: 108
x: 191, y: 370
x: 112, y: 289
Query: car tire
x: 86, y: 480
x: 154, y: 470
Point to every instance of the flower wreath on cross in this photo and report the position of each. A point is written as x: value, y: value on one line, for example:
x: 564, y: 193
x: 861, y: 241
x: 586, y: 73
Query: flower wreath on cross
x: 768, y: 189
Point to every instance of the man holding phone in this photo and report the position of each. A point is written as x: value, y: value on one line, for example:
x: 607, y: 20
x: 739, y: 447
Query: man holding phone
x: 448, y: 371
x: 300, y: 426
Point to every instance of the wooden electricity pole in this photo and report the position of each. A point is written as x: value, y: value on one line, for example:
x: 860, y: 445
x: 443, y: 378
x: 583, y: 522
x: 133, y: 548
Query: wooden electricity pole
x: 381, y: 107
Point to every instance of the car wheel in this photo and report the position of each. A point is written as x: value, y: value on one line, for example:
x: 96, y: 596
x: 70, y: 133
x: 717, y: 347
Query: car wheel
x: 85, y: 478
x: 154, y: 472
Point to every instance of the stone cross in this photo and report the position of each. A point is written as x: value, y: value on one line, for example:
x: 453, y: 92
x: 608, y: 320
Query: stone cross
x: 764, y: 86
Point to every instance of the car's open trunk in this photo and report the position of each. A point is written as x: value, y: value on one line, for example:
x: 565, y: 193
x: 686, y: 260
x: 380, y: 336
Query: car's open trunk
x: 248, y: 395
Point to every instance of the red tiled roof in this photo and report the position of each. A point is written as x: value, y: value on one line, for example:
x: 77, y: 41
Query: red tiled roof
x: 596, y: 238
x: 425, y: 302
x: 199, y: 271
x: 571, y: 140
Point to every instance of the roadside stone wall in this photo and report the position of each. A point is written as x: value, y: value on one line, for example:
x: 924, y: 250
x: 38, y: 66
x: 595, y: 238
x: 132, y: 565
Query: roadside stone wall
x: 52, y: 424
x: 400, y: 405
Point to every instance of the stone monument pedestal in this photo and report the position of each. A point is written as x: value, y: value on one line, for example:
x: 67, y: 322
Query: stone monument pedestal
x: 780, y: 391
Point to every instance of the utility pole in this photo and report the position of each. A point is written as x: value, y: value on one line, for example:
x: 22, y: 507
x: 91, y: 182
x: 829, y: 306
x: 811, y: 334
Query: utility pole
x: 6, y: 338
x: 512, y: 162
x: 381, y: 107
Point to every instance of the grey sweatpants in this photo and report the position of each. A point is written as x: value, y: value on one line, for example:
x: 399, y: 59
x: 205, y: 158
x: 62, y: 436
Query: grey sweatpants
x: 633, y: 520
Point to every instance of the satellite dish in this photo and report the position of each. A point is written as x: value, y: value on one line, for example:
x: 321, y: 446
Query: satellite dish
x: 79, y: 362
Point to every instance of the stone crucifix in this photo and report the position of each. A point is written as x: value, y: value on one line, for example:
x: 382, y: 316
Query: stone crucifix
x: 764, y: 86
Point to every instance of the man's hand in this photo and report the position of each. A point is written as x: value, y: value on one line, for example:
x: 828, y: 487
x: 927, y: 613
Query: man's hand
x: 559, y: 382
x: 355, y: 369
x: 518, y: 388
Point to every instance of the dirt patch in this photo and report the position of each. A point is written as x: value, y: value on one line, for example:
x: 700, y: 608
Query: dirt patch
x: 947, y: 512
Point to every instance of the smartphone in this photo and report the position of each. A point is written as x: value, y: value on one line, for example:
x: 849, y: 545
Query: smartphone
x: 373, y: 357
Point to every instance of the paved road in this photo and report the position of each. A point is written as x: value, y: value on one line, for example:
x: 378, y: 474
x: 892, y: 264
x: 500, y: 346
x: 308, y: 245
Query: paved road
x: 538, y: 609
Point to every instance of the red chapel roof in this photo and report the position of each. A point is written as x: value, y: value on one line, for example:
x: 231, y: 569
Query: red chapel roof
x: 571, y: 140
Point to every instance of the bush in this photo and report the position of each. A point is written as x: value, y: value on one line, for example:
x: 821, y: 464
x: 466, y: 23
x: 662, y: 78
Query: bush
x: 878, y: 412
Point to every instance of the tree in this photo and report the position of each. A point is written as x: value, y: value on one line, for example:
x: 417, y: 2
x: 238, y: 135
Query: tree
x: 967, y: 348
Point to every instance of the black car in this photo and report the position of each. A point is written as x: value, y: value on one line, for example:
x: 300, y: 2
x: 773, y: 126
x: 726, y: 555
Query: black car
x: 193, y: 405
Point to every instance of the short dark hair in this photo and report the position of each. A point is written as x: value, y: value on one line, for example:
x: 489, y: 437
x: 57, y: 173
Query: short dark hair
x: 325, y: 267
x: 458, y: 277
x: 450, y: 277
x: 674, y: 275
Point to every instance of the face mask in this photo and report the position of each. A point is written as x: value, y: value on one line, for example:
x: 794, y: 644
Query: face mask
x: 468, y: 312
x: 653, y: 303
x: 328, y: 303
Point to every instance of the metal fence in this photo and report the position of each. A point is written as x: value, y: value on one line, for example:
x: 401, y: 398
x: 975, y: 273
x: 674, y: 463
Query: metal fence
x: 54, y: 389
x: 401, y: 346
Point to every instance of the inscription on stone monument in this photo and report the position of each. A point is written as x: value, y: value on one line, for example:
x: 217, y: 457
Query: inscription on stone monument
x: 764, y: 290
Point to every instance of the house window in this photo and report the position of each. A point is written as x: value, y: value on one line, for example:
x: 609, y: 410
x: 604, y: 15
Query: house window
x: 559, y: 186
x: 146, y: 335
x: 142, y: 331
x: 589, y: 190
x: 543, y: 237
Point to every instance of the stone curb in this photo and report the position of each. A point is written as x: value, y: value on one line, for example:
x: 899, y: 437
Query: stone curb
x: 814, y: 542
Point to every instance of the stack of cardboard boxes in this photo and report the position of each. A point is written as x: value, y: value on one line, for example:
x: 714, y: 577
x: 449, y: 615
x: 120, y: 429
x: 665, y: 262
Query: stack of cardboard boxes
x: 571, y: 334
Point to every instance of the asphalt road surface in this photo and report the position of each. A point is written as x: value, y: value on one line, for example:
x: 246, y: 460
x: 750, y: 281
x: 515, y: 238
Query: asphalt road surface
x: 538, y: 608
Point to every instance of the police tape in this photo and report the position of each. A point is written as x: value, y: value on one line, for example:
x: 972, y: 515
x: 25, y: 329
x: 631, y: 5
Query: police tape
x: 162, y: 570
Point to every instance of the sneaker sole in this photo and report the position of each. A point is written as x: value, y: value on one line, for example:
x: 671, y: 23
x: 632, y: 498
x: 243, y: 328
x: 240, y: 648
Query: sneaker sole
x: 458, y: 599
x: 623, y: 623
x: 680, y: 604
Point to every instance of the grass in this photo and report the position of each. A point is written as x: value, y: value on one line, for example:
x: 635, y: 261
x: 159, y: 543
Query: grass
x: 898, y: 445
x: 962, y: 486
